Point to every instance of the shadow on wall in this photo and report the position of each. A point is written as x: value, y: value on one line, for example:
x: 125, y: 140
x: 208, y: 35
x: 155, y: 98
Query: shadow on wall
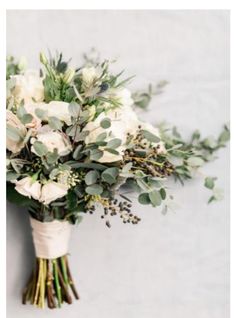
x: 20, y: 250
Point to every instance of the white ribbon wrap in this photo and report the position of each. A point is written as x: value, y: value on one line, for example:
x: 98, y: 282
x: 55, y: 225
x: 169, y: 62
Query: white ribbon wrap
x: 51, y: 239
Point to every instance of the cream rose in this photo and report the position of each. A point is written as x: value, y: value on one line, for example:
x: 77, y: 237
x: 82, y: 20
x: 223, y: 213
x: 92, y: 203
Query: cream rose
x: 60, y: 110
x: 29, y: 188
x: 52, y: 140
x: 13, y: 144
x: 52, y: 191
x: 27, y: 87
x: 45, y: 193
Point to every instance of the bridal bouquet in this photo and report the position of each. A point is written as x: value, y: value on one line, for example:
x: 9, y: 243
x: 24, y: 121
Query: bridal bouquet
x: 75, y: 145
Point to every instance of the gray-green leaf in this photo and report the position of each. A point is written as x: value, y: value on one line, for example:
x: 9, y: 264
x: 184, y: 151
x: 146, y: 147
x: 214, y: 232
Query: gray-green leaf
x: 144, y: 198
x: 105, y: 123
x: 109, y: 175
x: 40, y: 148
x: 94, y: 189
x: 155, y: 197
x: 91, y: 177
x: 114, y: 143
x: 149, y: 136
x: 74, y: 109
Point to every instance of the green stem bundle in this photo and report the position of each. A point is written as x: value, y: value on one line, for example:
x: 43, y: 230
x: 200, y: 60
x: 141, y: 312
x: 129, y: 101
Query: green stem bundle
x: 50, y: 280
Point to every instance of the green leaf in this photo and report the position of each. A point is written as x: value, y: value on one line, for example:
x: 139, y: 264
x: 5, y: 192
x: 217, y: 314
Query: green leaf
x: 71, y: 200
x: 155, y: 198
x: 144, y: 198
x: 224, y: 137
x: 96, y: 154
x: 110, y: 174
x: 91, y: 177
x: 26, y: 118
x: 14, y: 133
x: 209, y: 182
x: 41, y: 114
x: 40, y: 148
x: 150, y: 137
x: 52, y: 157
x: 80, y: 136
x: 74, y: 109
x: 77, y: 153
x: 114, y: 143
x: 105, y: 123
x: 94, y: 189
x: 113, y: 151
x: 163, y: 193
x: 20, y: 111
x: 55, y: 123
x: 12, y: 175
x: 195, y: 161
x: 101, y: 137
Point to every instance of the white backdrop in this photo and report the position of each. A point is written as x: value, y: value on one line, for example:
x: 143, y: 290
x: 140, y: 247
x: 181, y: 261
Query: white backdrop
x: 168, y: 266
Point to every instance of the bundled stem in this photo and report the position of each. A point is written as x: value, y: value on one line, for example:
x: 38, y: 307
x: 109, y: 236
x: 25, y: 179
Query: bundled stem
x: 51, y: 280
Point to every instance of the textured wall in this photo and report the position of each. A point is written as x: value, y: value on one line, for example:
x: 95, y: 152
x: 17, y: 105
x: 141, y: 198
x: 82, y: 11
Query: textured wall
x: 168, y: 266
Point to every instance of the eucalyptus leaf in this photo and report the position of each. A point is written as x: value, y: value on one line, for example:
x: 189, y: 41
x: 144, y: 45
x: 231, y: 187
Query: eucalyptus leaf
x: 114, y: 143
x: 101, y: 137
x: 41, y: 114
x: 74, y: 109
x: 105, y: 123
x: 26, y: 119
x: 144, y: 198
x: 55, y: 123
x: 94, y: 189
x: 91, y: 177
x: 109, y: 175
x: 150, y: 137
x: 195, y: 161
x: 209, y: 182
x: 40, y: 148
x: 155, y: 198
x: 14, y: 133
x: 96, y: 154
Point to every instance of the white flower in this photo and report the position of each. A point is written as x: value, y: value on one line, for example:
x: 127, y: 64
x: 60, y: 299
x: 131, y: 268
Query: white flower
x: 123, y: 120
x: 27, y: 87
x: 52, y: 191
x: 122, y: 95
x: 52, y: 140
x: 29, y: 188
x: 89, y: 74
x: 57, y: 109
x: 12, y: 121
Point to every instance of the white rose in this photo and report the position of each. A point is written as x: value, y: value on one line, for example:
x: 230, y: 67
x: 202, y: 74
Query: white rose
x: 52, y: 191
x: 56, y: 109
x: 29, y: 188
x: 52, y: 140
x: 122, y: 95
x: 12, y: 144
x: 123, y: 120
x: 27, y: 87
x: 89, y: 74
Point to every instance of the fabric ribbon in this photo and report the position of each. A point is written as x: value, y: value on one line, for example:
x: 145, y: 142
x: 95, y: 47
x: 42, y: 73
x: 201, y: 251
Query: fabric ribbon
x: 51, y: 239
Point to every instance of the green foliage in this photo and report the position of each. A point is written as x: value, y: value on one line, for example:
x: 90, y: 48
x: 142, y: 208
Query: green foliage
x: 109, y: 175
x: 105, y: 123
x: 91, y: 177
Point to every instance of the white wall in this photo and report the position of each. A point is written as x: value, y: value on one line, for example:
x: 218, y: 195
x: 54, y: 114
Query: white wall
x: 168, y: 266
